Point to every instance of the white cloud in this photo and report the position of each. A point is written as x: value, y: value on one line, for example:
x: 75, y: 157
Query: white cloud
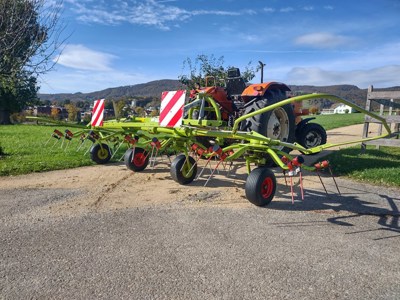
x: 269, y: 9
x: 83, y: 58
x: 384, y: 76
x: 322, y: 40
x: 251, y: 38
x: 158, y: 14
x: 72, y: 81
x: 379, y: 66
x: 308, y: 8
x: 286, y: 9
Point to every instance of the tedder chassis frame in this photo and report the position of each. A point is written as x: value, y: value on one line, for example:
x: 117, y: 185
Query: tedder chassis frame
x: 145, y: 133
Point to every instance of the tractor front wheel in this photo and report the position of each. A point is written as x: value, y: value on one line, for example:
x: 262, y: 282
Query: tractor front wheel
x: 100, y: 153
x: 260, y: 186
x: 311, y: 135
x: 183, y: 170
x: 136, y: 159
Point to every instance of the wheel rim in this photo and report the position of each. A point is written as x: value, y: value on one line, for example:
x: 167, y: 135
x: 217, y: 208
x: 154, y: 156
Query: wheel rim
x: 139, y: 159
x: 102, y: 153
x: 267, y: 187
x: 278, y: 125
x: 312, y: 139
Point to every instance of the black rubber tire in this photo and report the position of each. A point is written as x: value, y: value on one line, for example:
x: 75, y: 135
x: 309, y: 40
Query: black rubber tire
x: 259, y: 123
x: 260, y: 186
x: 100, y: 154
x: 178, y: 173
x: 311, y: 135
x: 137, y: 163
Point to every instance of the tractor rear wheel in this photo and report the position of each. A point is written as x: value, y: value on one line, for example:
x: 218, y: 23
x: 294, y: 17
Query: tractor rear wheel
x: 277, y: 124
x: 100, y: 153
x: 136, y: 159
x: 260, y: 186
x: 183, y: 170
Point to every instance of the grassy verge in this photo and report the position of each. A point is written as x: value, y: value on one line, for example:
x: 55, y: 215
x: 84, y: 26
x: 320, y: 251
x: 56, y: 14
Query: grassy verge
x: 338, y: 120
x: 375, y: 166
x: 23, y: 150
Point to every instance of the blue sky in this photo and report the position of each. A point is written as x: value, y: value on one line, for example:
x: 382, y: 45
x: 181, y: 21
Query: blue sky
x: 126, y: 42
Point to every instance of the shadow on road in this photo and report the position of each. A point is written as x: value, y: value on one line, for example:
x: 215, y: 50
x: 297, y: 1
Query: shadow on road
x: 351, y: 204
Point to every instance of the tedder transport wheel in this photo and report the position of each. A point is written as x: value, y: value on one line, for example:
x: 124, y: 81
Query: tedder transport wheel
x: 136, y: 159
x: 260, y: 186
x: 100, y: 153
x: 182, y: 170
x: 311, y: 135
x: 278, y: 124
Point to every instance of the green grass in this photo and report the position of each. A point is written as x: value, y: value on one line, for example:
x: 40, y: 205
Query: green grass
x: 380, y: 167
x: 338, y: 120
x: 23, y: 150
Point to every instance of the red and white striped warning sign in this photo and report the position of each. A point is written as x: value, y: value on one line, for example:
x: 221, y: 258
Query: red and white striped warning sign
x: 98, y: 113
x: 171, y: 111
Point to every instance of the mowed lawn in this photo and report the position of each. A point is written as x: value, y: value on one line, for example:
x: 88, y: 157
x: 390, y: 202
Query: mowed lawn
x: 30, y: 148
x: 25, y: 150
x: 338, y: 120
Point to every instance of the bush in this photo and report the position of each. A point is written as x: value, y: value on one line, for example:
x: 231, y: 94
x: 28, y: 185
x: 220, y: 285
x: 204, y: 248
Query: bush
x: 18, y: 118
x: 1, y: 151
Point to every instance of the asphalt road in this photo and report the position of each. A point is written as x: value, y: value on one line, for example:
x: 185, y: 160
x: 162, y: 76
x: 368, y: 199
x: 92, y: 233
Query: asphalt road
x: 327, y: 247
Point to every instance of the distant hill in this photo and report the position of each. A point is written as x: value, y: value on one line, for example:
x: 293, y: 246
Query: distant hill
x: 154, y: 89
x: 150, y: 89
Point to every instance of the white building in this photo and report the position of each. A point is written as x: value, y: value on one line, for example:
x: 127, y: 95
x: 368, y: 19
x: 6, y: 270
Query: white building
x: 343, y: 109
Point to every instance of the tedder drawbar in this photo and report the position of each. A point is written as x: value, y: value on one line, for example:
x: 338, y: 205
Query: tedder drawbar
x: 183, y: 129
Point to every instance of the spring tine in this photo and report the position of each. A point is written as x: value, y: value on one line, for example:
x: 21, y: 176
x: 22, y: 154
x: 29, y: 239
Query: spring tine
x: 301, y: 186
x: 54, y: 143
x: 195, y: 163
x: 67, y: 144
x: 133, y: 154
x: 212, y: 173
x: 151, y: 155
x: 155, y: 157
x: 208, y: 161
x: 80, y: 145
x: 320, y: 179
x: 116, y: 150
x: 123, y: 155
x: 48, y: 141
x: 230, y: 168
x: 88, y: 149
x: 184, y: 163
x: 291, y: 188
x: 334, y: 180
x: 284, y: 175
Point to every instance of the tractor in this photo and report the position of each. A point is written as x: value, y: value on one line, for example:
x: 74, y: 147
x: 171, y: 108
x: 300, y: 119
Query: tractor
x: 237, y: 98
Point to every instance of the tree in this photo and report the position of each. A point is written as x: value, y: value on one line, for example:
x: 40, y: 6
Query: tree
x: 72, y: 112
x: 154, y: 113
x: 55, y: 113
x: 29, y: 39
x: 139, y: 111
x: 14, y: 94
x: 313, y: 110
x: 118, y: 108
x: 203, y: 66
